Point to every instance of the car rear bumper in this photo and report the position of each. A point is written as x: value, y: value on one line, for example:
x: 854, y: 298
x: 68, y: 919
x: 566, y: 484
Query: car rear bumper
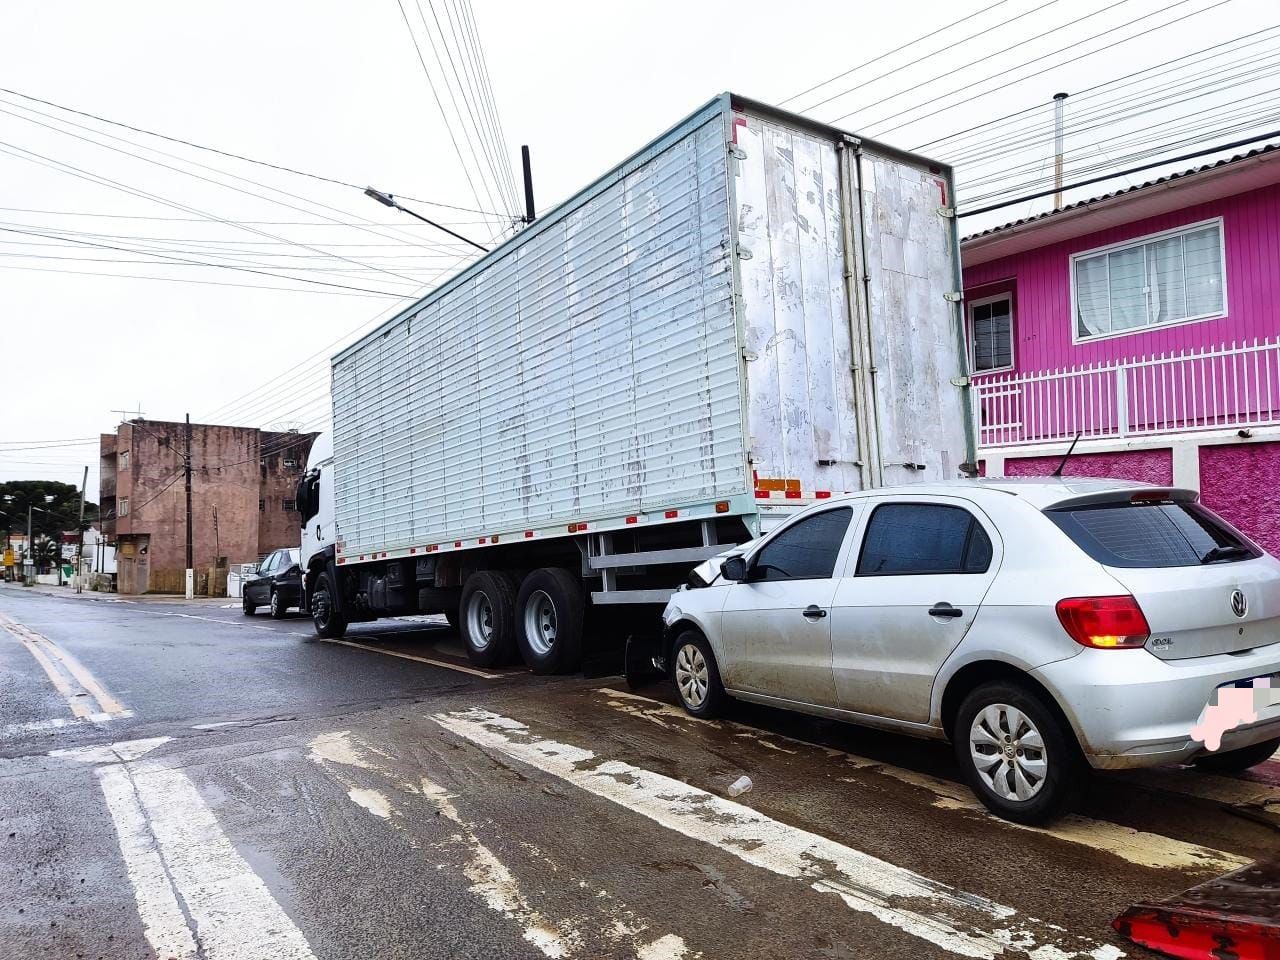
x: 1132, y: 709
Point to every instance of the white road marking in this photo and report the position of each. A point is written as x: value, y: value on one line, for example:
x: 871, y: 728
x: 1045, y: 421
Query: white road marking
x: 962, y: 923
x: 491, y: 880
x: 59, y: 723
x: 69, y: 677
x: 197, y: 897
x: 1135, y: 846
x: 409, y: 656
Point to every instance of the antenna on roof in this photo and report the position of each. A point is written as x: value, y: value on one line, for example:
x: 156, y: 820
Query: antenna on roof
x: 1057, y: 472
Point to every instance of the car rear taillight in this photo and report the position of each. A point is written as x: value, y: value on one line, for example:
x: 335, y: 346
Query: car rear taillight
x: 1107, y: 623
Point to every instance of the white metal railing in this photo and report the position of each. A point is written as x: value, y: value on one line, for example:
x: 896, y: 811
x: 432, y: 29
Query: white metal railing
x: 1207, y: 389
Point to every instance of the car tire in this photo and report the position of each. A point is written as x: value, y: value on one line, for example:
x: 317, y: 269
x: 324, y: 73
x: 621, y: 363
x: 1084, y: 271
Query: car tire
x: 487, y: 618
x: 248, y: 608
x: 279, y: 609
x: 550, y: 611
x: 697, y: 676
x: 1040, y: 757
x: 1238, y: 761
x: 329, y: 623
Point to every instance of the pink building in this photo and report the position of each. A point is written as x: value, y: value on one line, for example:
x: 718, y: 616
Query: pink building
x: 1146, y: 321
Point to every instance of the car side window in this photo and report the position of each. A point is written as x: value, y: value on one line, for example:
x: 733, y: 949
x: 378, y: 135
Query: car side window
x: 806, y: 550
x: 269, y: 564
x: 923, y: 538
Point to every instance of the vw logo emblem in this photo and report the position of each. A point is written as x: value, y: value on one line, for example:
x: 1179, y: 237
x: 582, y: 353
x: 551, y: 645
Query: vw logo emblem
x: 1239, y: 605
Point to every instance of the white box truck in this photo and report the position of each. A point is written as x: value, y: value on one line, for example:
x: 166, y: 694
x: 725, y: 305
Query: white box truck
x: 752, y: 312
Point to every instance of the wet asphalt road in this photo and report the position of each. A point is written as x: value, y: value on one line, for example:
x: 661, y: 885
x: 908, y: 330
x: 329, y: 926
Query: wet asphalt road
x: 177, y: 780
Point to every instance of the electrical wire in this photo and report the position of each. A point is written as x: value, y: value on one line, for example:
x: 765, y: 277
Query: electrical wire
x: 476, y: 47
x: 234, y: 156
x: 1055, y: 66
x: 466, y: 170
x: 1098, y: 88
x: 210, y: 283
x: 889, y: 53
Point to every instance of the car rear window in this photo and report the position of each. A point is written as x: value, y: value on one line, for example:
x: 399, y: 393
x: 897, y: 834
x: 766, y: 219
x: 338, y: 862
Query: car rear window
x: 1153, y: 534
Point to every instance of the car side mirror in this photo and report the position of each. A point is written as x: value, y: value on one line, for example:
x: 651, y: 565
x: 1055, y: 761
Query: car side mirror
x: 735, y: 568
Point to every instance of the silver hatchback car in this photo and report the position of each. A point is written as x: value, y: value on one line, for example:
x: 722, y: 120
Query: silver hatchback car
x: 1044, y: 626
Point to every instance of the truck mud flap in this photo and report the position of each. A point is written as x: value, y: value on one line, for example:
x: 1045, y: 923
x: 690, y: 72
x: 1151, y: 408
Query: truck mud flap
x: 1236, y: 917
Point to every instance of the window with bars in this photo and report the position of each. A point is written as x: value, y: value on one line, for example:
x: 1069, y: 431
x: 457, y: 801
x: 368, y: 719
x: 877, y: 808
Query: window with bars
x: 1163, y: 278
x: 991, y: 329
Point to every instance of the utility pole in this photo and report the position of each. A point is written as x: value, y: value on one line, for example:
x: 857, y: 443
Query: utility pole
x: 528, y: 186
x: 80, y: 536
x: 31, y: 549
x: 186, y: 465
x: 1059, y: 107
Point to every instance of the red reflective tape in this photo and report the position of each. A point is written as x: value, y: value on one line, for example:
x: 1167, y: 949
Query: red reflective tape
x: 793, y: 494
x: 413, y: 549
x: 762, y: 494
x: 822, y: 494
x: 362, y: 556
x: 671, y: 514
x: 457, y: 543
x: 528, y: 534
x: 633, y: 519
x: 737, y: 122
x: 342, y: 559
x: 481, y: 540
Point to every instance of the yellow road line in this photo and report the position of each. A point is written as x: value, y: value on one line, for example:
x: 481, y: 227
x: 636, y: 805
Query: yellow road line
x: 69, y: 677
x: 408, y: 656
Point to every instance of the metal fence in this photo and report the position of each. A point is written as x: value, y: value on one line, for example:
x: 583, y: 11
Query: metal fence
x: 1214, y: 388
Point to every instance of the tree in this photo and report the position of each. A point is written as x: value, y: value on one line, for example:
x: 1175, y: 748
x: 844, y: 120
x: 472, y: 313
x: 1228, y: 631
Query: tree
x: 49, y: 518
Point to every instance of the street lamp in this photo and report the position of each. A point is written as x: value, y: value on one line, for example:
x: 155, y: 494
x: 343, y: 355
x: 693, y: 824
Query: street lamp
x: 387, y: 200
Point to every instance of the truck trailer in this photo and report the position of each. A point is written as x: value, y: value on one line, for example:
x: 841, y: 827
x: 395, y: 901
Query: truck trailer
x: 753, y: 312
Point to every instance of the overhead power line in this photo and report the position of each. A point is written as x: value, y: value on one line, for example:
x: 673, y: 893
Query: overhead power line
x: 1219, y: 148
x: 1055, y: 66
x: 231, y: 155
x: 889, y: 53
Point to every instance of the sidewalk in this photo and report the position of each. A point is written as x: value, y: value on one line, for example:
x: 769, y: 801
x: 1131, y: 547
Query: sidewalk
x: 66, y: 593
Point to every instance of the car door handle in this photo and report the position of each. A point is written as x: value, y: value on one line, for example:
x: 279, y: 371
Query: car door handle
x: 945, y: 610
x: 813, y: 612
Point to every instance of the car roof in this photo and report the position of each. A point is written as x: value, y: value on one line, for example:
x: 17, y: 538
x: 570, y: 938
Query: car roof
x: 1038, y: 492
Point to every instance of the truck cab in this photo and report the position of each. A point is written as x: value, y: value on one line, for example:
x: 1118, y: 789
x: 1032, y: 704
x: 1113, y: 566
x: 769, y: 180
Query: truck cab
x: 315, y: 504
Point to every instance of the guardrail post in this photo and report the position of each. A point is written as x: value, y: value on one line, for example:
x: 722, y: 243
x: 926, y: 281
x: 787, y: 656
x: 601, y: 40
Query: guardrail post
x: 1122, y: 401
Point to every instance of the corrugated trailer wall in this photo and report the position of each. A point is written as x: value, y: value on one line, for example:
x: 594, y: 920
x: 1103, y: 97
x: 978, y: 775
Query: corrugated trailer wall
x: 589, y: 370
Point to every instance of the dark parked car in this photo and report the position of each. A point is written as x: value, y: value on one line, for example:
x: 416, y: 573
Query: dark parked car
x: 277, y: 584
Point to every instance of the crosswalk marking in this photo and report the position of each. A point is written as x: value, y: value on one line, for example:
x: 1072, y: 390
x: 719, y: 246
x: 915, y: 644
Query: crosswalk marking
x: 342, y: 756
x: 1136, y: 846
x: 959, y: 922
x: 197, y: 897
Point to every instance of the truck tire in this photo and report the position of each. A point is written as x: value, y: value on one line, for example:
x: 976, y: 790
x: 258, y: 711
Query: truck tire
x: 329, y: 623
x: 549, y: 615
x: 488, y: 619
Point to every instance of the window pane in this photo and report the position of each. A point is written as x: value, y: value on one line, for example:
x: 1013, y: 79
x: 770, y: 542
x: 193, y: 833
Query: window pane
x: 992, y: 335
x: 1149, y: 534
x: 1165, y: 276
x: 978, y: 555
x: 1128, y: 288
x: 806, y: 550
x: 1204, y: 271
x: 1093, y: 314
x: 916, y: 538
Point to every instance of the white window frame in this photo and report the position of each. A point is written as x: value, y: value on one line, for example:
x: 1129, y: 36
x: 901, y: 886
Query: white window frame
x: 123, y: 510
x: 122, y: 461
x: 1142, y: 241
x: 973, y: 343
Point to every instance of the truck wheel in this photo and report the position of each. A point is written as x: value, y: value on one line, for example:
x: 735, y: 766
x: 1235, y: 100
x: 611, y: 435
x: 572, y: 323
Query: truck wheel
x: 487, y: 615
x: 549, y: 615
x: 1017, y: 755
x: 1238, y: 761
x: 329, y: 623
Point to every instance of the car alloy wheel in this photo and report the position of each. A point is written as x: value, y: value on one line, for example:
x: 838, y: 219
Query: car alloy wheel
x: 1008, y: 752
x: 692, y: 677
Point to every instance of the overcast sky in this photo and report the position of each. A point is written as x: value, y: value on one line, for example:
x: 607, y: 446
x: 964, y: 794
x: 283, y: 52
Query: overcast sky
x: 337, y: 89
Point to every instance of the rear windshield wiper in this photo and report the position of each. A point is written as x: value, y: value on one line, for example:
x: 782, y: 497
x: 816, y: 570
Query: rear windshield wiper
x: 1226, y: 553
